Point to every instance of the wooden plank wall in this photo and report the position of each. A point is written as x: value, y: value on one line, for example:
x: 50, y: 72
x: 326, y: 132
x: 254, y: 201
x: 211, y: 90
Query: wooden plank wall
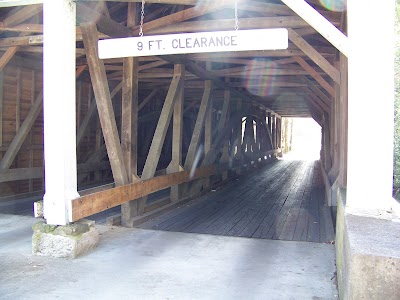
x: 20, y: 87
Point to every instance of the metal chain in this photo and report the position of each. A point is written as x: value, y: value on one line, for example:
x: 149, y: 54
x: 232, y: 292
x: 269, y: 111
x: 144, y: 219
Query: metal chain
x: 236, y: 16
x: 141, y: 19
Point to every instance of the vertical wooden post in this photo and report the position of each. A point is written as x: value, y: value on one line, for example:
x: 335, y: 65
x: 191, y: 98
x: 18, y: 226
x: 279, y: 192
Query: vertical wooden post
x: 273, y: 126
x: 223, y: 120
x: 129, y: 125
x: 327, y: 139
x: 279, y: 132
x: 177, y: 136
x: 78, y: 103
x: 104, y: 103
x: 370, y: 191
x: 208, y: 127
x: 269, y: 118
x: 343, y: 114
x: 129, y: 111
x: 97, y: 145
x: 247, y: 142
x: 259, y: 135
x: 334, y: 116
x: 18, y: 101
x: 253, y: 140
x: 31, y: 134
x: 59, y: 110
x: 239, y: 141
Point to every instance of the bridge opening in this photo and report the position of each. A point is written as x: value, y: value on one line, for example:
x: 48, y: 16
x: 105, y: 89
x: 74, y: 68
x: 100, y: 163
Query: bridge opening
x: 301, y: 139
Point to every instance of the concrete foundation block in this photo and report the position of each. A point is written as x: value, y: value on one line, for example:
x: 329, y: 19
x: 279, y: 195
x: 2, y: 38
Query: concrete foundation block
x: 68, y: 241
x: 368, y: 257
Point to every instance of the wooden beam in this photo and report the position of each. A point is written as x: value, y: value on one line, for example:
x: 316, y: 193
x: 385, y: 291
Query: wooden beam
x: 199, y: 126
x: 80, y: 70
x: 85, y: 122
x: 232, y: 126
x: 32, y: 133
x: 181, y: 16
x: 18, y: 100
x: 224, y: 117
x: 176, y: 162
x: 90, y: 114
x: 6, y: 57
x: 98, y: 202
x: 343, y: 122
x: 99, y: 154
x: 104, y: 24
x: 159, y: 135
x: 114, y: 29
x: 315, y: 75
x: 226, y: 24
x: 147, y: 99
x: 316, y: 90
x: 21, y: 174
x: 314, y: 55
x: 10, y: 3
x: 314, y: 113
x: 129, y: 127
x: 208, y: 127
x: 22, y: 14
x: 10, y: 52
x: 129, y: 115
x: 320, y: 24
x: 161, y: 130
x: 315, y: 108
x: 22, y: 133
x: 322, y: 107
x: 38, y: 172
x: 218, y: 83
x: 104, y: 104
x: 248, y: 132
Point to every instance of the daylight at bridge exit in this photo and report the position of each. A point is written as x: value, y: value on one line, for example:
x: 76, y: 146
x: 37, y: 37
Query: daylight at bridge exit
x: 198, y: 149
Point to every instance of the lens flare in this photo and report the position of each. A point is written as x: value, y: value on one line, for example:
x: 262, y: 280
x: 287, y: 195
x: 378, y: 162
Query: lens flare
x: 334, y: 5
x: 259, y: 81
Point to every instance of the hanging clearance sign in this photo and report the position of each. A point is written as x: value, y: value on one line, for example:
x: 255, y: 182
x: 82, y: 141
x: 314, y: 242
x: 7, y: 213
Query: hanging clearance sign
x: 202, y: 42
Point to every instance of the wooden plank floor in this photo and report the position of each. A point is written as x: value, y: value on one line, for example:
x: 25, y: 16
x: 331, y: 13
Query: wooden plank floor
x: 283, y: 200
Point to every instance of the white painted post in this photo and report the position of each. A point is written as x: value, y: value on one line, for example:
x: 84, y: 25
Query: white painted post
x: 371, y: 96
x: 59, y: 19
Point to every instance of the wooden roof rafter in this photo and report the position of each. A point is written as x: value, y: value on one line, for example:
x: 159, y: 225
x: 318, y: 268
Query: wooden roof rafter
x: 174, y: 16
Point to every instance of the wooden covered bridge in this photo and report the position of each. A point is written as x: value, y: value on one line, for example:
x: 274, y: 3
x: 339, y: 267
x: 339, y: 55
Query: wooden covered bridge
x: 149, y: 132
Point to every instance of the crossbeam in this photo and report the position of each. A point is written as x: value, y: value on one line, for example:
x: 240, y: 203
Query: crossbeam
x: 320, y: 24
x: 98, y: 202
x: 11, y: 3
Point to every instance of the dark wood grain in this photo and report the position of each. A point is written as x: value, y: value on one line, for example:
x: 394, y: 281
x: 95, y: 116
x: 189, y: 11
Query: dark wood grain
x: 283, y: 200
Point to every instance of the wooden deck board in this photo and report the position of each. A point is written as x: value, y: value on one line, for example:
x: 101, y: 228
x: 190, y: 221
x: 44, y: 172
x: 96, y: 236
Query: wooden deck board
x: 253, y: 187
x: 283, y: 200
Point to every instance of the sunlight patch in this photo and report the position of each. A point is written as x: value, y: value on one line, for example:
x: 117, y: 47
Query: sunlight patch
x: 334, y: 5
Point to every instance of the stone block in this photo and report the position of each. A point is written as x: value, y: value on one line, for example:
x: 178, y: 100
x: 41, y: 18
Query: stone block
x: 68, y: 241
x: 368, y: 256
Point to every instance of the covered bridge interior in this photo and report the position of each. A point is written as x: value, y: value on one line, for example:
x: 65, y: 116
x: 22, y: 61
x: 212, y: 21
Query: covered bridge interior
x: 185, y: 105
x: 91, y: 134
